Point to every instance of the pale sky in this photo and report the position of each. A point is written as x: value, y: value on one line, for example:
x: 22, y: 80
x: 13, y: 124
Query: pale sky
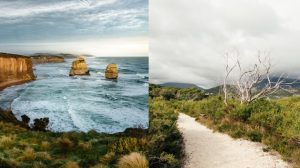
x: 96, y: 27
x: 188, y: 39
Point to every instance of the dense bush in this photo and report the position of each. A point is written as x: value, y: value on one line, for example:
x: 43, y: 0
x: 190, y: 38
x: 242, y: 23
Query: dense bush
x: 169, y: 93
x: 165, y: 140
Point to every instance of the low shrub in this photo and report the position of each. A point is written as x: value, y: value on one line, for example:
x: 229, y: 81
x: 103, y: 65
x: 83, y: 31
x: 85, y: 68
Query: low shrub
x: 169, y: 160
x: 164, y: 137
x: 255, y: 136
x: 133, y: 160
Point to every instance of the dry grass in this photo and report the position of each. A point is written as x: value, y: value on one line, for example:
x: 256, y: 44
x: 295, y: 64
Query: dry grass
x: 7, y: 141
x: 72, y: 164
x: 28, y: 155
x: 44, y: 156
x: 45, y: 145
x: 65, y: 143
x: 133, y: 160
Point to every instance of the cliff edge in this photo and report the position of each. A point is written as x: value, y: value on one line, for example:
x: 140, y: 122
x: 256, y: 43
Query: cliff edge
x: 15, y: 69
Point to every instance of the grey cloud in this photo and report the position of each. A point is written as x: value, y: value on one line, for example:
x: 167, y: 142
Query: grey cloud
x: 188, y: 40
x: 37, y: 20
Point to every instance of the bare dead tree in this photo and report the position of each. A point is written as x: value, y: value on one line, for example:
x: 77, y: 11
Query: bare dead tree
x: 247, y: 82
x: 228, y: 70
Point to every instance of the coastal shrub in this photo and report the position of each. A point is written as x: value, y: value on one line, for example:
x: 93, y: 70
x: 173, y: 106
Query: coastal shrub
x: 168, y: 95
x: 164, y: 137
x: 133, y: 160
x: 212, y: 107
x: 255, y: 136
x: 169, y: 160
x: 190, y: 94
x: 241, y: 112
x: 40, y: 124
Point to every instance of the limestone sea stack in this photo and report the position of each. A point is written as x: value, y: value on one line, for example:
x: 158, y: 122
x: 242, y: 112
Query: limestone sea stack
x: 111, y: 71
x: 79, y: 67
x: 15, y: 69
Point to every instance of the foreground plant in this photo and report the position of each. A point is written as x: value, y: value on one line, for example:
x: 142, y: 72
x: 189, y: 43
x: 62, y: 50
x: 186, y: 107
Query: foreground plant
x: 133, y: 160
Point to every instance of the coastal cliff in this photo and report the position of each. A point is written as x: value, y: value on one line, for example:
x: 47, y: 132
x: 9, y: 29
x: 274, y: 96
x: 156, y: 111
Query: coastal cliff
x: 15, y: 69
x: 43, y: 59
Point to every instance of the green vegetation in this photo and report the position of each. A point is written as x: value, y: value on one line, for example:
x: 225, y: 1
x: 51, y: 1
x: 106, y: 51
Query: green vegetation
x: 20, y: 147
x: 274, y: 122
x: 169, y: 93
x: 165, y: 140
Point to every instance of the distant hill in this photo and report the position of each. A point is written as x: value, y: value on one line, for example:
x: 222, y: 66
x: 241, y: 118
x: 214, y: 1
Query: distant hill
x: 67, y: 56
x: 290, y: 90
x: 292, y: 87
x: 219, y: 89
x: 180, y: 85
x: 290, y: 82
x: 215, y: 90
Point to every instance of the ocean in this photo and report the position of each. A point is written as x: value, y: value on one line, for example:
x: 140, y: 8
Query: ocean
x: 84, y: 103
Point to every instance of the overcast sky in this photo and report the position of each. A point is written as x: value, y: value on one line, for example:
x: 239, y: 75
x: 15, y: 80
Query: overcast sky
x: 189, y: 38
x: 97, y: 27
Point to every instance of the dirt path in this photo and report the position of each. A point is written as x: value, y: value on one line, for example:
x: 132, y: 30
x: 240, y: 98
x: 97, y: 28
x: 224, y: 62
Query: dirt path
x: 208, y: 149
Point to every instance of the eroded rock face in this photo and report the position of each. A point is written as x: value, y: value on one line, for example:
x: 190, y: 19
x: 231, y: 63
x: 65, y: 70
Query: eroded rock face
x: 15, y: 69
x: 111, y: 71
x: 79, y: 67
